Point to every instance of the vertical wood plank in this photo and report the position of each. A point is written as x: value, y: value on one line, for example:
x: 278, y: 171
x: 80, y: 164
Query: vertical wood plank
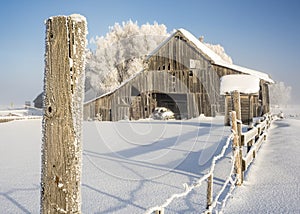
x: 226, y: 117
x: 250, y: 109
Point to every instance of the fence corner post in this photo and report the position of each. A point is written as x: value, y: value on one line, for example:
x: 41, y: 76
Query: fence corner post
x: 63, y: 114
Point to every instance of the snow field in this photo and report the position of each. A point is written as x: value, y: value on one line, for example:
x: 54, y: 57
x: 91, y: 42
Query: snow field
x: 20, y: 145
x: 128, y: 167
x: 147, y: 168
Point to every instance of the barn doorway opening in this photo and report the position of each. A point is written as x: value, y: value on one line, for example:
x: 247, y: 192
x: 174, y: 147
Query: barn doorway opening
x: 177, y: 103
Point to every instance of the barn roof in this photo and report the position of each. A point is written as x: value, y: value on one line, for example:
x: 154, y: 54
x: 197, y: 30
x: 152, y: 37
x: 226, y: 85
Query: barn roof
x: 212, y: 56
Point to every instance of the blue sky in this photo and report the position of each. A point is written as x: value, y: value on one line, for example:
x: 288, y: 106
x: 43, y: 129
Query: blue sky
x: 259, y: 34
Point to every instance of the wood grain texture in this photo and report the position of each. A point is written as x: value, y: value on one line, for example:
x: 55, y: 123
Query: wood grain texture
x: 62, y: 121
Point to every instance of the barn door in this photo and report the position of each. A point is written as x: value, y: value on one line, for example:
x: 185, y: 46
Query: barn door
x: 135, y: 108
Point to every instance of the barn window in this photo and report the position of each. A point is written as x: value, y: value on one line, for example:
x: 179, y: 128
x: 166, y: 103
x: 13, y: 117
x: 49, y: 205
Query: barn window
x: 191, y: 73
x: 169, y: 67
x: 164, y: 67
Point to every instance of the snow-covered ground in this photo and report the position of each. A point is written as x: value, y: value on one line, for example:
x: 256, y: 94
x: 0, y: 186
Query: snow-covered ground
x: 272, y: 184
x: 129, y: 167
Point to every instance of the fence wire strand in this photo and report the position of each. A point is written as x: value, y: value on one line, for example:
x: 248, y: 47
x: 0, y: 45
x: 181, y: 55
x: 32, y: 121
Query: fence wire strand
x: 189, y: 188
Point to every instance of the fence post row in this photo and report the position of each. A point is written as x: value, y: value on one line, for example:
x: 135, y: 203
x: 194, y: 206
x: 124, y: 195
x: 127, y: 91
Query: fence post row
x: 253, y: 139
x: 63, y: 114
x: 240, y: 163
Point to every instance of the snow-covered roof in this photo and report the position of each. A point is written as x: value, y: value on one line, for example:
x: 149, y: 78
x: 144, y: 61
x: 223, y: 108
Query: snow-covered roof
x: 213, y: 57
x: 246, y: 84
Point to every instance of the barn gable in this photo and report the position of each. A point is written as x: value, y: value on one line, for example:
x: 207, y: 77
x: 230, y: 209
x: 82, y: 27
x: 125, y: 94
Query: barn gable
x: 210, y: 55
x: 181, y: 74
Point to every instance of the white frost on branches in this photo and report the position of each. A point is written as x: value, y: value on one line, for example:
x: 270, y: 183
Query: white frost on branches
x: 218, y: 49
x: 120, y: 53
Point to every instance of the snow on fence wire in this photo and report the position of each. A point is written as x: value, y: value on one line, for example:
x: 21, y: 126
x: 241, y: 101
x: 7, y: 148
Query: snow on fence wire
x: 252, y: 139
x: 189, y: 188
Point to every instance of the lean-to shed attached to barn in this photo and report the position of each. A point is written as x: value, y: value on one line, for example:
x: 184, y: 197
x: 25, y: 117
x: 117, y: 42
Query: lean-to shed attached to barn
x: 182, y: 74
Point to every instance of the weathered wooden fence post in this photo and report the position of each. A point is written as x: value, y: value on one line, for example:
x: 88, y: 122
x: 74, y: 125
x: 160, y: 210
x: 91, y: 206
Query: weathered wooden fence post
x: 236, y: 150
x: 209, y: 196
x: 63, y: 112
x: 162, y: 211
x: 236, y: 106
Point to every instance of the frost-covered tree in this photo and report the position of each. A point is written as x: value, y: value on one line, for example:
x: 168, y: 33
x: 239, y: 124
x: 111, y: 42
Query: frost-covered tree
x: 120, y: 53
x: 218, y: 49
x: 280, y: 94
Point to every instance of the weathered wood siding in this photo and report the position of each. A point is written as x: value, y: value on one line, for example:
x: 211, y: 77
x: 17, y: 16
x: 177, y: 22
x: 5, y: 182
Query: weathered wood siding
x: 249, y: 108
x: 193, y: 72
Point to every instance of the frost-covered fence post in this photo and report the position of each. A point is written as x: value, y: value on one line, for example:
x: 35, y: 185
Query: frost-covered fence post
x: 236, y: 149
x: 209, y: 196
x: 236, y: 106
x: 63, y: 114
x: 161, y: 211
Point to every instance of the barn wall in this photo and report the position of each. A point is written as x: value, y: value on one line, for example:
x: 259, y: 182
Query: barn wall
x: 103, y: 108
x: 249, y: 108
x: 88, y: 111
x: 195, y: 74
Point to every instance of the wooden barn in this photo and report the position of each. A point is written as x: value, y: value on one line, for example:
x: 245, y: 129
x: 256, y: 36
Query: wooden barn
x: 182, y: 74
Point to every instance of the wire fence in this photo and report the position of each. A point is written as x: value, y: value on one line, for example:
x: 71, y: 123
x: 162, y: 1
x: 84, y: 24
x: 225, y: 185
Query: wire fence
x: 250, y: 142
